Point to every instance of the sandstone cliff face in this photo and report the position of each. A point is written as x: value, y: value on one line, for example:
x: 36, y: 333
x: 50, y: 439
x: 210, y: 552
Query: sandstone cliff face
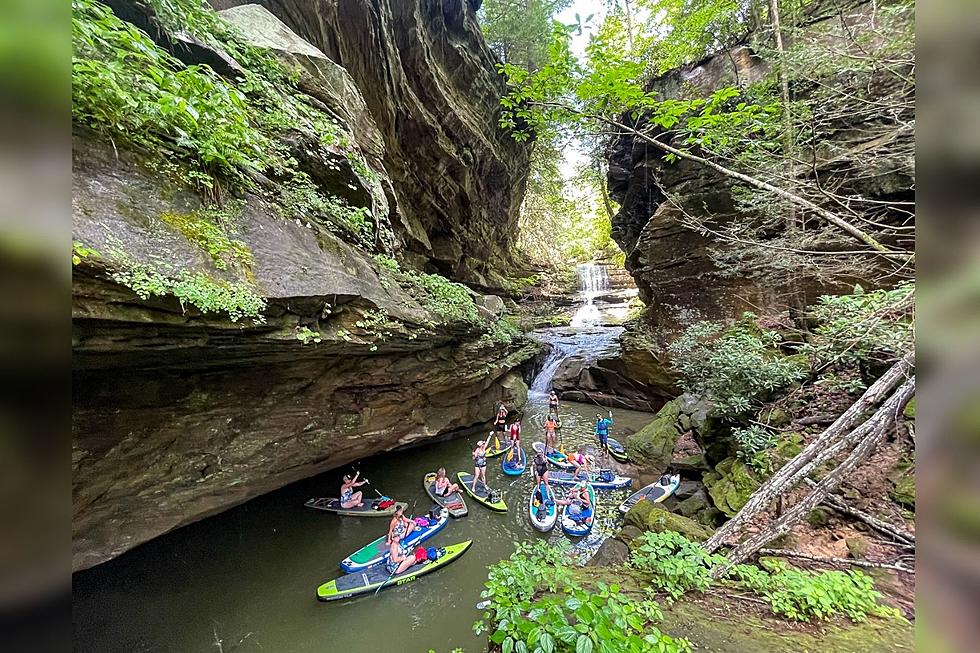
x: 430, y: 84
x: 674, y: 266
x: 180, y: 413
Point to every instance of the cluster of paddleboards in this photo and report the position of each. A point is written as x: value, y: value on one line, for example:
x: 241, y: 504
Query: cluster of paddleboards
x: 365, y: 570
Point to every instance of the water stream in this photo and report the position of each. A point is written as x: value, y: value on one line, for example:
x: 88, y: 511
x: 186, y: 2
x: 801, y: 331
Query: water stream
x: 245, y: 579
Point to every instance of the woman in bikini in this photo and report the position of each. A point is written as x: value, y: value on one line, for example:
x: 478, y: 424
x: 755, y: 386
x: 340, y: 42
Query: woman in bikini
x: 348, y: 497
x: 399, y: 560
x: 480, y: 464
x: 443, y: 487
x: 549, y: 433
x: 400, y: 526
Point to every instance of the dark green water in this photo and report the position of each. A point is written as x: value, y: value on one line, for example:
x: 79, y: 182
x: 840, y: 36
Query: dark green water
x: 249, y: 574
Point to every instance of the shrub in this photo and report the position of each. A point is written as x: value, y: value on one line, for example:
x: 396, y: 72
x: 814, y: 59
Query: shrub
x: 877, y: 326
x: 529, y: 614
x: 753, y: 442
x: 734, y: 367
x: 676, y: 563
x: 802, y: 595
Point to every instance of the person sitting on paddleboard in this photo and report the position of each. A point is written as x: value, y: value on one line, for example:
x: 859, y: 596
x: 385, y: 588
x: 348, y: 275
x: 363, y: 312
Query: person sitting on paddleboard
x: 443, y: 487
x: 579, y: 507
x: 480, y: 464
x: 549, y: 432
x: 602, y: 425
x: 553, y: 402
x: 399, y: 560
x: 348, y: 497
x: 541, y: 469
x: 400, y: 526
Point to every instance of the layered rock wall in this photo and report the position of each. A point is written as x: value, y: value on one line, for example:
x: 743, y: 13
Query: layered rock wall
x: 179, y: 411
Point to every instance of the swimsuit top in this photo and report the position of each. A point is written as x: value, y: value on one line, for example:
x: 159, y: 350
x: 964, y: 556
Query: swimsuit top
x: 345, y: 495
x: 399, y: 528
x: 540, y: 466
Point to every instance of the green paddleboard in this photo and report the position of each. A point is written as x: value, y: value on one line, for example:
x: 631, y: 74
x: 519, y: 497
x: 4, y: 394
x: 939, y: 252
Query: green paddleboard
x: 372, y: 578
x: 481, y: 495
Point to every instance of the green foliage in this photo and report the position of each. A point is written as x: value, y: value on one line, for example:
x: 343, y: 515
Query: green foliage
x: 306, y: 335
x: 876, y: 326
x: 518, y: 31
x: 133, y: 92
x: 735, y: 367
x: 206, y: 229
x: 753, y: 443
x: 676, y: 564
x: 536, y: 605
x: 208, y: 295
x: 80, y: 252
x: 450, y: 300
x: 126, y: 87
x: 803, y: 595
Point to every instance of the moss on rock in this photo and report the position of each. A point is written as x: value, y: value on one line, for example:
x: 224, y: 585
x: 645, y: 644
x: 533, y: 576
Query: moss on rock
x: 730, y: 485
x: 650, y: 517
x: 904, y: 492
x: 653, y: 445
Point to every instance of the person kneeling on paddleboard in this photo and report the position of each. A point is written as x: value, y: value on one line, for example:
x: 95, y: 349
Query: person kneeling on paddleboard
x: 582, y: 462
x: 399, y: 560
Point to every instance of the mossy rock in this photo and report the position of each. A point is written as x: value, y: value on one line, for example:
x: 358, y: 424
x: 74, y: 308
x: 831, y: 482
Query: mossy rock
x: 730, y: 485
x: 857, y: 547
x: 904, y: 492
x: 819, y: 517
x: 909, y: 411
x: 691, y: 506
x: 650, y: 517
x: 653, y: 445
x: 789, y: 445
x: 774, y: 416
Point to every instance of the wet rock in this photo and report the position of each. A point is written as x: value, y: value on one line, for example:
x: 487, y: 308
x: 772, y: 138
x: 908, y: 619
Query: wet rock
x: 730, y: 485
x: 628, y: 533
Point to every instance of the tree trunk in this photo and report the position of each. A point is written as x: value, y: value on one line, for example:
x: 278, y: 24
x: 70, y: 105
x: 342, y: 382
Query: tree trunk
x: 787, y: 117
x: 811, y: 456
x: 873, y: 432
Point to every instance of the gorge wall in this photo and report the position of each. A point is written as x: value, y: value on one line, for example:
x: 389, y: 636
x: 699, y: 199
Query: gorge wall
x: 179, y: 411
x: 864, y: 149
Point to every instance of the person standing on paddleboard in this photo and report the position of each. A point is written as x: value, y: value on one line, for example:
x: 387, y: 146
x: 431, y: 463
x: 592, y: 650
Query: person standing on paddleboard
x: 480, y: 464
x: 541, y: 470
x: 553, y: 403
x: 602, y: 425
x: 500, y: 421
x: 515, y: 434
x: 549, y: 432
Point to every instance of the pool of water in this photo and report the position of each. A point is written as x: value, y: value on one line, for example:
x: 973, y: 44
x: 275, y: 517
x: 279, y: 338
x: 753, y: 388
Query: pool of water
x: 244, y: 580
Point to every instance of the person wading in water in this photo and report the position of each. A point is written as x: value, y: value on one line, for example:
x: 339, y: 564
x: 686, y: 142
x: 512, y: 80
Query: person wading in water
x: 553, y: 403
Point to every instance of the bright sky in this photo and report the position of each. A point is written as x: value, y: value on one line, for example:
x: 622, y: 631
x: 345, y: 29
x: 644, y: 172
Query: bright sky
x: 573, y: 155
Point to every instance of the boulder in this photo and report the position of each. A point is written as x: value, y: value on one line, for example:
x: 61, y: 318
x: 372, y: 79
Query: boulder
x: 857, y: 547
x: 652, y: 446
x: 691, y: 506
x: 730, y: 485
x: 650, y: 517
x: 687, y: 488
x: 611, y: 552
x: 694, y: 463
x: 493, y: 304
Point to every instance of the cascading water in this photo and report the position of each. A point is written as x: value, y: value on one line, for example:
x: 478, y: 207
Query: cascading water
x: 593, y: 280
x: 541, y: 384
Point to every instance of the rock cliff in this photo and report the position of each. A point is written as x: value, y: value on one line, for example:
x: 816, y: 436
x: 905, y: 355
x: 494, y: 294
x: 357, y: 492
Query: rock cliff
x: 861, y: 150
x: 220, y: 352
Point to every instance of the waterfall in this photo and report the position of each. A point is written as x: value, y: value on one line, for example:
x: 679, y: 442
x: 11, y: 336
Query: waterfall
x: 593, y: 279
x: 542, y: 382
